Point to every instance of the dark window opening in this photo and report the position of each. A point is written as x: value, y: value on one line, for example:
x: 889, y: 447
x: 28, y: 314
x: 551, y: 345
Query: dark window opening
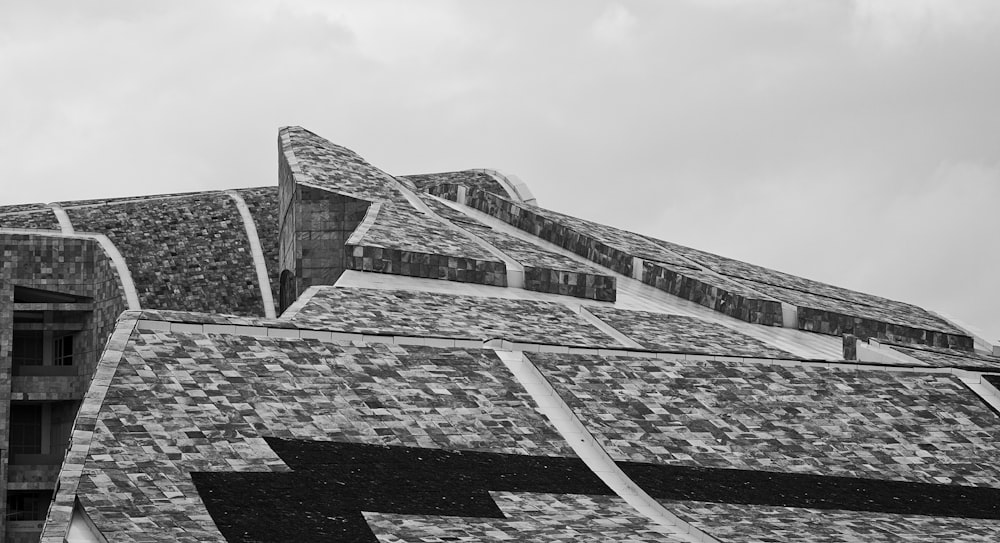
x: 62, y: 351
x: 28, y: 349
x: 287, y: 293
x: 25, y: 429
x: 36, y: 296
x: 28, y: 504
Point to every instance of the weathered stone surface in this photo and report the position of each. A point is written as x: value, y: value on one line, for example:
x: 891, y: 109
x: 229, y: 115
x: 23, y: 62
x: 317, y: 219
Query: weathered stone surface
x: 682, y: 334
x: 806, y: 419
x: 530, y: 517
x: 949, y: 358
x: 769, y: 524
x: 38, y: 220
x: 167, y: 414
x: 470, y: 178
x: 410, y: 313
x: 186, y: 253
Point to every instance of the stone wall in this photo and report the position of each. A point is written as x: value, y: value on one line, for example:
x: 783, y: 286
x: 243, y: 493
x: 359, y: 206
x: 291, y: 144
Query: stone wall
x: 713, y: 292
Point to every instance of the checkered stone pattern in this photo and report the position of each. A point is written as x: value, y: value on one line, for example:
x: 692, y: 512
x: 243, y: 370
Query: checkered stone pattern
x: 771, y: 524
x: 950, y: 358
x: 562, y: 518
x: 192, y: 402
x: 683, y: 334
x: 425, y: 314
x: 187, y: 253
x: 469, y: 178
x: 263, y: 205
x: 804, y: 419
x: 38, y: 220
x: 323, y: 164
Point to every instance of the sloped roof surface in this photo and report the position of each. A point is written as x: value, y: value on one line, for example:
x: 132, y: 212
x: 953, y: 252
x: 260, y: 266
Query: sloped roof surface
x: 432, y: 407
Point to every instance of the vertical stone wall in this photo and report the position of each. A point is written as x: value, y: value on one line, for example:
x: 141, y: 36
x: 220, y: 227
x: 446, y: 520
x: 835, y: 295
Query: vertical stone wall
x: 67, y: 265
x: 314, y: 226
x: 834, y: 323
x: 699, y: 288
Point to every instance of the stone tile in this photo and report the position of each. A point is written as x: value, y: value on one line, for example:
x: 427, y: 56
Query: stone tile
x: 682, y: 334
x: 409, y: 313
x: 805, y: 419
x: 769, y: 524
x: 187, y: 253
x: 530, y: 517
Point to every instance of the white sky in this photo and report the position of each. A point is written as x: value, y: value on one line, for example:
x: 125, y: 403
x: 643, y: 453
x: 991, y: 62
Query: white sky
x: 856, y: 143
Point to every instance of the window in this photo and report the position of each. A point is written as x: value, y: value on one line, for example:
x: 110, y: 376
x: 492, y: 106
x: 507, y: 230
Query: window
x: 63, y: 351
x: 28, y: 349
x: 28, y: 504
x: 25, y: 429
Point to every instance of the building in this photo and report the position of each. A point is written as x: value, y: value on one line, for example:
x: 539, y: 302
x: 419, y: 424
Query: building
x: 353, y: 356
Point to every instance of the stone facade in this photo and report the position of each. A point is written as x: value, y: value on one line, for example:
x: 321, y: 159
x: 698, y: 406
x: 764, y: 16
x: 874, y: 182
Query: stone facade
x: 70, y: 266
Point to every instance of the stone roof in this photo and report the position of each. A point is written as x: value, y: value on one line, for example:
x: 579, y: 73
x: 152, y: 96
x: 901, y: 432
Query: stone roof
x: 435, y: 401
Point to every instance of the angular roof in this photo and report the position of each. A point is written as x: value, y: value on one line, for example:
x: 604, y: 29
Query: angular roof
x: 624, y: 388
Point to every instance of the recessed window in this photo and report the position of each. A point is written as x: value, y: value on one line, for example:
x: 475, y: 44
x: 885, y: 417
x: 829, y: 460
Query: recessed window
x: 28, y: 504
x: 62, y: 351
x: 25, y: 429
x: 28, y: 349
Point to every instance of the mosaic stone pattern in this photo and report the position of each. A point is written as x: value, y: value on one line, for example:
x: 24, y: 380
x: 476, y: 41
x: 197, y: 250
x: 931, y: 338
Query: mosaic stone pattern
x: 263, y: 205
x: 768, y: 524
x: 530, y: 517
x: 73, y: 266
x: 826, y: 421
x: 816, y: 295
x: 409, y: 313
x: 125, y: 199
x: 430, y: 266
x: 604, y: 245
x: 402, y: 227
x: 190, y: 402
x: 333, y: 484
x: 713, y: 292
x: 469, y: 178
x: 915, y: 316
x: 17, y: 208
x: 320, y: 163
x: 682, y: 334
x: 950, y: 358
x: 835, y: 317
x: 544, y: 271
x: 628, y: 242
x: 40, y: 220
x: 184, y: 253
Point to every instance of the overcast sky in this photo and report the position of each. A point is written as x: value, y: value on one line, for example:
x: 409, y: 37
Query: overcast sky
x: 856, y: 143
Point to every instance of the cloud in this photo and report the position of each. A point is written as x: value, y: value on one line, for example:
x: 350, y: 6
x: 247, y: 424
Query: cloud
x: 615, y: 25
x: 895, y: 25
